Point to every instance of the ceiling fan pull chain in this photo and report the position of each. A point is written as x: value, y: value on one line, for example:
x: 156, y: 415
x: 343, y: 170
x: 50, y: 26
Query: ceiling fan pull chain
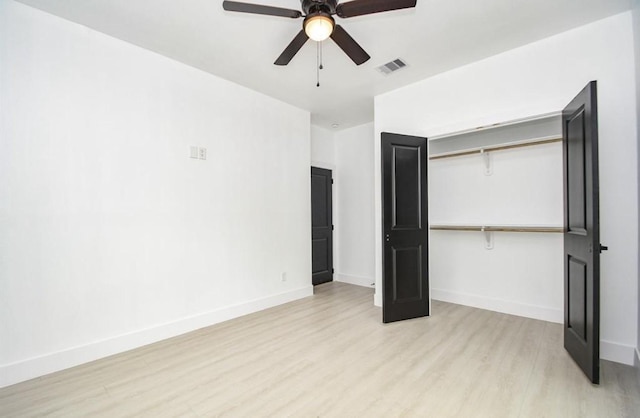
x: 318, y: 64
x: 321, y: 66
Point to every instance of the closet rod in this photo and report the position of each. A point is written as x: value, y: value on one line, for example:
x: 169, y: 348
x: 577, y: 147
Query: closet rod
x: 495, y: 148
x: 497, y: 228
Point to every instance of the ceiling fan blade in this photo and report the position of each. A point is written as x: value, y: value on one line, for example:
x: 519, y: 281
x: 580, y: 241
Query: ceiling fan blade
x: 367, y: 7
x: 293, y: 48
x: 236, y: 6
x: 349, y: 46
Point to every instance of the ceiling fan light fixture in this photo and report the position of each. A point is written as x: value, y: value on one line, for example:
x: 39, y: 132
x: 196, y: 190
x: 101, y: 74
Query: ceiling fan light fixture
x: 319, y: 26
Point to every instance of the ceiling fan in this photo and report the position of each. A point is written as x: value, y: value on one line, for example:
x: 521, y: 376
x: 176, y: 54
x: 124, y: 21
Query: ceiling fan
x: 319, y: 24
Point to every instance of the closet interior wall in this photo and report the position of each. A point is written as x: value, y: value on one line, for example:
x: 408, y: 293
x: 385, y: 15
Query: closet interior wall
x: 518, y: 188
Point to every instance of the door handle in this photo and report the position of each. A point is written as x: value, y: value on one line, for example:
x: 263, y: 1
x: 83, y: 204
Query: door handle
x: 603, y: 248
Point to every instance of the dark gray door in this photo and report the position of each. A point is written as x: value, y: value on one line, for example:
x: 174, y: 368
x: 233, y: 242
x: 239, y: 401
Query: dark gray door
x: 321, y: 226
x: 582, y: 235
x: 405, y: 227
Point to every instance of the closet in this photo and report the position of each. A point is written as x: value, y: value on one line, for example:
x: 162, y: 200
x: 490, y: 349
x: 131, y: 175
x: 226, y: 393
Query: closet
x: 496, y: 217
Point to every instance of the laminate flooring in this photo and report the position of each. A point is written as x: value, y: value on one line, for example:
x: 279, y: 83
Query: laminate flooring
x: 329, y: 355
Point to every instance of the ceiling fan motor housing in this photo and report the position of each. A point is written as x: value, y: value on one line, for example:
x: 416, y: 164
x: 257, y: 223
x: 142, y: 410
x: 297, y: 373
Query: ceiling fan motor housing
x: 319, y: 6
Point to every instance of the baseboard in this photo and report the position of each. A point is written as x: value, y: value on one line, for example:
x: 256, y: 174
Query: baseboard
x: 617, y: 352
x: 611, y: 351
x: 34, y: 367
x: 543, y: 313
x: 357, y: 280
x: 377, y: 299
x: 638, y: 363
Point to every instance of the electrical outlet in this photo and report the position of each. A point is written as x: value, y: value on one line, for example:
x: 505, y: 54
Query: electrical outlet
x: 202, y: 153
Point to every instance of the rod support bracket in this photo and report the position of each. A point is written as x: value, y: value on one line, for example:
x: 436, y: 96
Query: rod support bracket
x: 486, y: 159
x: 488, y: 238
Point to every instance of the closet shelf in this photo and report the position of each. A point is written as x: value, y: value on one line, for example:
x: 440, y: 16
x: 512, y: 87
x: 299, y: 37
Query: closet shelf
x: 497, y: 228
x: 495, y: 148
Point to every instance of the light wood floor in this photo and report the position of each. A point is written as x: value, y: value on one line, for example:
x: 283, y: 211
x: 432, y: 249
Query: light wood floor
x: 330, y: 356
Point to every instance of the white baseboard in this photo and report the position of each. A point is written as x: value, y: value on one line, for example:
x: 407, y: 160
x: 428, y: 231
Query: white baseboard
x: 377, y: 299
x: 637, y: 365
x: 357, y: 280
x: 617, y: 352
x: 543, y: 313
x: 611, y: 351
x: 34, y: 367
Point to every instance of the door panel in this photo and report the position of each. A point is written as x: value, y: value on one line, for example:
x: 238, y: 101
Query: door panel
x: 407, y: 277
x: 320, y: 260
x: 577, y: 298
x: 576, y: 204
x: 406, y: 172
x: 405, y: 241
x: 319, y: 215
x: 582, y: 235
x: 321, y: 226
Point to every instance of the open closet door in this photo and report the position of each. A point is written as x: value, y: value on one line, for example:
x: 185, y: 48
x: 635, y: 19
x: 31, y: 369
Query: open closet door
x: 405, y: 254
x: 321, y: 226
x: 582, y: 234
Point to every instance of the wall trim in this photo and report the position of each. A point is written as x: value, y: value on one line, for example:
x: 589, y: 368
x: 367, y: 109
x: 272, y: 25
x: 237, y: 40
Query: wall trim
x: 609, y: 350
x: 617, y: 352
x: 356, y: 280
x: 38, y: 366
x: 637, y: 365
x: 543, y: 313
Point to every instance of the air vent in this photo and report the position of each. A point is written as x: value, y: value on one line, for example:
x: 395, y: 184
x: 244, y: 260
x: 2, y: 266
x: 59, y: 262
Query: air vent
x: 392, y: 66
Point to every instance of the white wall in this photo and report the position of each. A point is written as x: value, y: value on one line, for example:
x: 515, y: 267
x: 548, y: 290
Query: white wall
x: 111, y: 237
x: 354, y: 189
x: 538, y: 78
x: 525, y: 188
x: 322, y: 148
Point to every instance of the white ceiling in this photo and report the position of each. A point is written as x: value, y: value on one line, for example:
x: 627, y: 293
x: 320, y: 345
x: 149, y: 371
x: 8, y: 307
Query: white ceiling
x: 436, y: 36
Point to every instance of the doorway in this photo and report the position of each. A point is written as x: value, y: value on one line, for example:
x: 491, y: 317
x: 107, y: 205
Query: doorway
x: 321, y: 226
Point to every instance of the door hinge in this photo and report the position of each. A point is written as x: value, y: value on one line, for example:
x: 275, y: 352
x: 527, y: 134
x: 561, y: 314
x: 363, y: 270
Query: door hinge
x: 333, y: 271
x: 331, y: 181
x: 332, y: 227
